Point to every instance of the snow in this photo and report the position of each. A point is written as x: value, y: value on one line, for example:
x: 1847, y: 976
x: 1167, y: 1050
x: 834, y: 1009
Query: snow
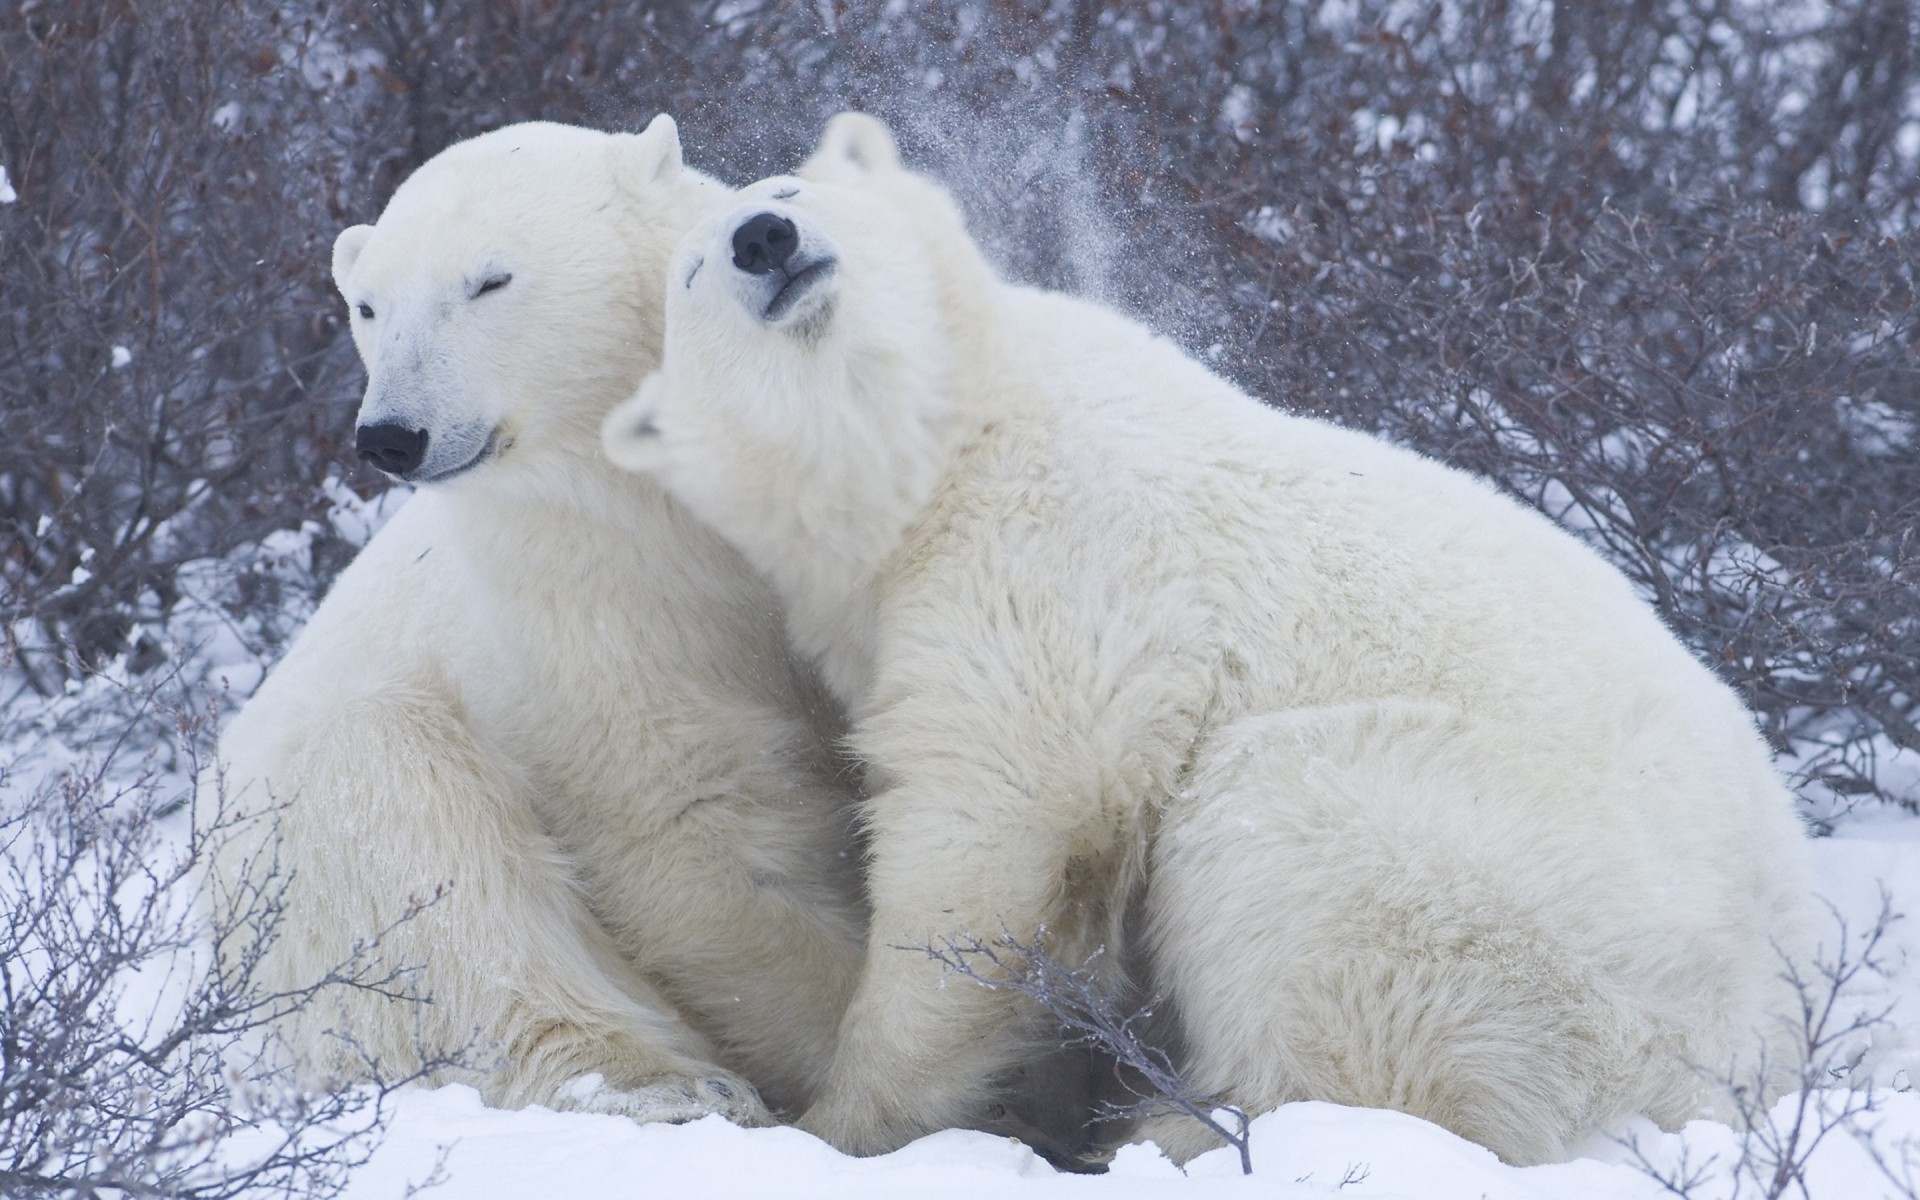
x: 1269, y: 224
x: 1302, y: 1150
x: 7, y: 194
x: 1236, y: 111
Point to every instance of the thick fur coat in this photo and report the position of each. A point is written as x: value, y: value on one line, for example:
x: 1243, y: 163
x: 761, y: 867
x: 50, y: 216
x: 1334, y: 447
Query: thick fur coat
x: 1396, y: 792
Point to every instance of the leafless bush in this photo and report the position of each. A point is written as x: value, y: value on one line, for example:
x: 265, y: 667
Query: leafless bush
x: 1636, y: 266
x: 1090, y: 1014
x: 1775, y: 1145
x: 129, y: 1064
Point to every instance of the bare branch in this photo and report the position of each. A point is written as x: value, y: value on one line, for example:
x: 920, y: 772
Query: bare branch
x: 1089, y: 1014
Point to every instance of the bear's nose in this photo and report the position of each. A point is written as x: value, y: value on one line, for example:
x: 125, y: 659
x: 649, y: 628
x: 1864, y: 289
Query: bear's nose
x: 763, y: 242
x: 393, y: 448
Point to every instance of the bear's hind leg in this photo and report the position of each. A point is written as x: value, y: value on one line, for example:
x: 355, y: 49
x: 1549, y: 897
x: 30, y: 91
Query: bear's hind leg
x: 1340, y: 910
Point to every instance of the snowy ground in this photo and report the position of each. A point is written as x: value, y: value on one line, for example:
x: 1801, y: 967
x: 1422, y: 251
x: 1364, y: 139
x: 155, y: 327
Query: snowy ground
x: 1302, y: 1150
x: 446, y: 1138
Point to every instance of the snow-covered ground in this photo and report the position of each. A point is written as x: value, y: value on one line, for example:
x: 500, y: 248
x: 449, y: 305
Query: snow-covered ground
x: 446, y: 1138
x: 1302, y: 1150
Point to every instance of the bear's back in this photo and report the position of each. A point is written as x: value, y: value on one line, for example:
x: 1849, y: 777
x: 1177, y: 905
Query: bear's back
x: 1355, y: 562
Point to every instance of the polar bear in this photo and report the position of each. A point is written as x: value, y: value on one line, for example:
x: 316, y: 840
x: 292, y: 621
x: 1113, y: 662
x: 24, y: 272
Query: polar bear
x: 545, y: 689
x: 1395, y: 791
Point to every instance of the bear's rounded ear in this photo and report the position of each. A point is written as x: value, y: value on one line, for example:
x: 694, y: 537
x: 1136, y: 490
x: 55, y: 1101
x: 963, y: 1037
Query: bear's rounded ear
x: 630, y: 435
x: 346, y: 252
x: 649, y: 158
x: 854, y: 143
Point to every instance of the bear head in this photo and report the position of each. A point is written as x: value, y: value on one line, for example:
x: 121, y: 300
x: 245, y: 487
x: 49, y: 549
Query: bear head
x: 510, y: 294
x: 824, y: 335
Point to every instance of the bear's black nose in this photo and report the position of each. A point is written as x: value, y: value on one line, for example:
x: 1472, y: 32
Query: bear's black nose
x: 393, y: 448
x: 764, y: 242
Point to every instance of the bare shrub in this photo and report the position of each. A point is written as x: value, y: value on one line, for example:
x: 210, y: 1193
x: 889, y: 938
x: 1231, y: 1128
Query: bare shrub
x: 1638, y: 272
x: 1775, y: 1145
x: 128, y: 1063
x: 1090, y: 1013
x: 169, y: 369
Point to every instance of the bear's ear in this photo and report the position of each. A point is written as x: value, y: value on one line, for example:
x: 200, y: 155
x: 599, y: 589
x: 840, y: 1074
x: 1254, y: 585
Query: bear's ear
x: 854, y: 144
x: 346, y: 252
x: 630, y: 436
x: 649, y: 158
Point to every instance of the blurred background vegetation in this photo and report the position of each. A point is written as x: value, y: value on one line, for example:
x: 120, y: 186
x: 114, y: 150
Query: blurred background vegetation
x: 1649, y: 266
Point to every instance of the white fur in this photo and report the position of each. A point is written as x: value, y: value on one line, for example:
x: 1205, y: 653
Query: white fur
x: 1417, y: 805
x: 544, y: 685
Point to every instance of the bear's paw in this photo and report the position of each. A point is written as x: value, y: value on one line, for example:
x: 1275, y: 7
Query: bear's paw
x: 672, y: 1099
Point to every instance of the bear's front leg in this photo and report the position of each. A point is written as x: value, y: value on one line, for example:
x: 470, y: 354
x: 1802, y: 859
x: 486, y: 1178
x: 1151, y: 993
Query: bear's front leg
x: 920, y: 1051
x: 504, y: 970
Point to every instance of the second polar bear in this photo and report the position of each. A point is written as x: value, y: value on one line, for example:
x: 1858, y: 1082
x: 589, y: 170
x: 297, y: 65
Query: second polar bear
x: 1395, y: 790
